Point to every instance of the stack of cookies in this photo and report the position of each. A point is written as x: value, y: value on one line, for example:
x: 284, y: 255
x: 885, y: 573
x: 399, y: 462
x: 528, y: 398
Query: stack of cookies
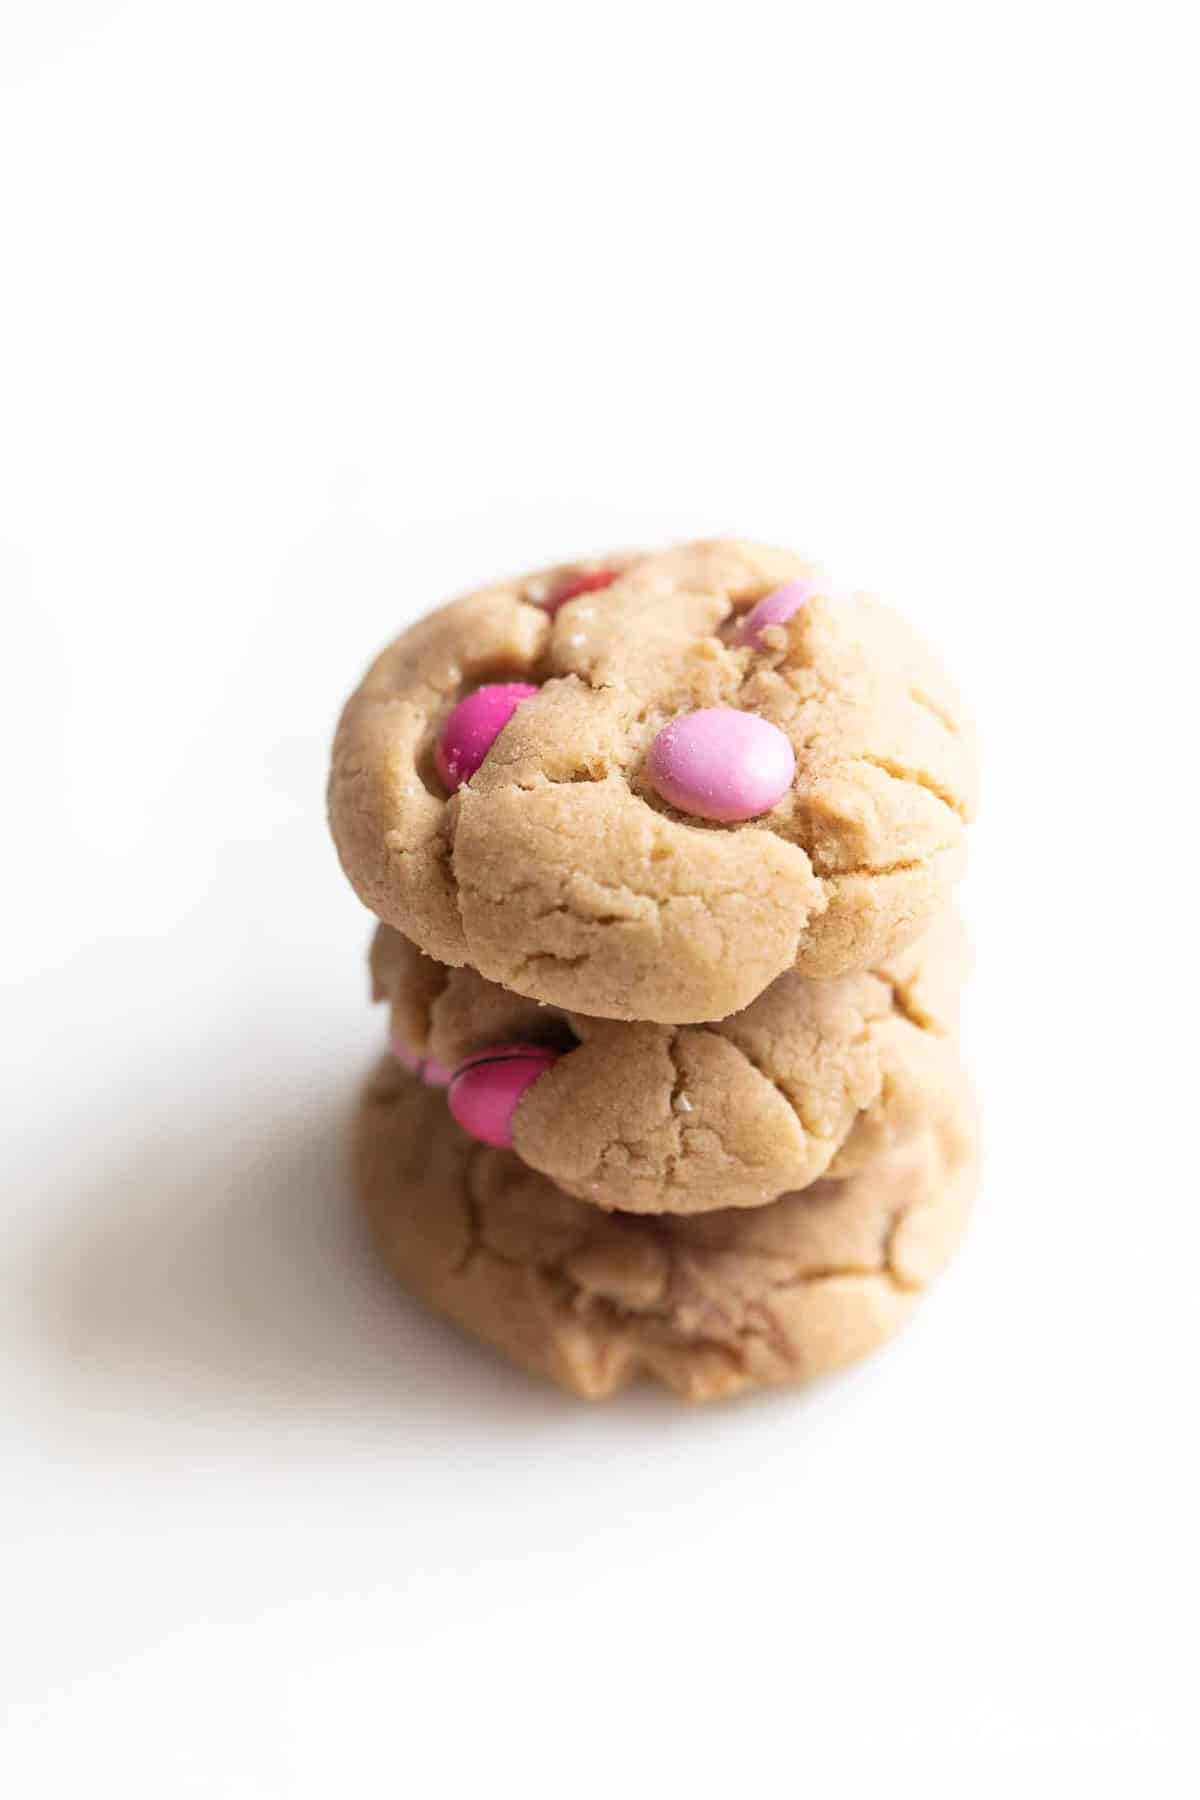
x: 662, y: 849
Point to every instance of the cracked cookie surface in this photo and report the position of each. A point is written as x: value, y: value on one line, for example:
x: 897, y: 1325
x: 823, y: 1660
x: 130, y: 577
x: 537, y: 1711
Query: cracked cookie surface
x: 812, y: 1075
x: 709, y: 1306
x: 557, y: 869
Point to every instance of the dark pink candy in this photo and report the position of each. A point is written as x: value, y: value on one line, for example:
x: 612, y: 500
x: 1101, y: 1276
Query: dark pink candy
x: 485, y: 1090
x: 473, y: 728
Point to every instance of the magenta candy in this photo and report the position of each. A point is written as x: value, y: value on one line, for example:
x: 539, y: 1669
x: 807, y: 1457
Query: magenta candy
x: 485, y: 1090
x: 473, y: 728
x: 721, y: 764
x: 774, y: 609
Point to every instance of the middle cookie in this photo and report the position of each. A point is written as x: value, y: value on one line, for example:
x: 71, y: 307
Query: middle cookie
x: 809, y: 1079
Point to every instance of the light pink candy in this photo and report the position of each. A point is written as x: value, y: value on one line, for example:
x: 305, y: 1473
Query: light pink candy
x: 473, y: 728
x: 721, y: 764
x: 407, y: 1058
x: 774, y: 609
x: 484, y: 1091
x: 435, y: 1074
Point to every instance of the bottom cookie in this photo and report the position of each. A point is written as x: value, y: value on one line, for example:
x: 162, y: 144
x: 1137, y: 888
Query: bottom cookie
x: 709, y: 1305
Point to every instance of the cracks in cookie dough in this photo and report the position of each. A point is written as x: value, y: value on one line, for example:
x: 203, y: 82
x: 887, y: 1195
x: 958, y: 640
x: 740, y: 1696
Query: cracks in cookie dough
x: 946, y: 719
x: 752, y: 1317
x: 580, y: 778
x: 636, y: 912
x: 580, y: 958
x: 868, y: 871
x: 642, y: 909
x: 772, y: 1331
x: 474, y: 1245
x: 904, y: 1003
x: 847, y: 1272
x: 916, y: 778
x: 895, y: 1220
x: 673, y: 1108
x: 791, y: 1100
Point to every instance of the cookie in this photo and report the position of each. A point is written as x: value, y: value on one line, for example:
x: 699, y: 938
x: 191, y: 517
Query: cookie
x: 688, y: 1118
x: 723, y: 772
x: 708, y: 1306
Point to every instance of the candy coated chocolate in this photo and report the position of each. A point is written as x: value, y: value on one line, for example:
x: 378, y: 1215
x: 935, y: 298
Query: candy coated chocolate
x: 473, y: 727
x: 570, y: 587
x: 485, y: 1090
x: 721, y: 764
x: 775, y: 608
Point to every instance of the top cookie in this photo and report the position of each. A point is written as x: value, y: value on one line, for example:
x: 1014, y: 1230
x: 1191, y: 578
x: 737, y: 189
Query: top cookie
x: 710, y: 783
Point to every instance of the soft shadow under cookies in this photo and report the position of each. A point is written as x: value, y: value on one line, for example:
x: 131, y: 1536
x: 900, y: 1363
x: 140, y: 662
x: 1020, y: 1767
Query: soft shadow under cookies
x: 249, y: 1279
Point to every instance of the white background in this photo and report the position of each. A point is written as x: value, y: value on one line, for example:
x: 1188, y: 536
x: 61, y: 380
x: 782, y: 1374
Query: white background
x: 310, y: 316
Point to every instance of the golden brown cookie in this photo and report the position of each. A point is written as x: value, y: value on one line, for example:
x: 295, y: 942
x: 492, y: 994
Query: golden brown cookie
x: 688, y: 1118
x: 709, y: 1306
x: 559, y: 869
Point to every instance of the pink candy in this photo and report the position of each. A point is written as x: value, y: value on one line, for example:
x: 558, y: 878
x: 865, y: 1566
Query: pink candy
x: 721, y: 764
x: 435, y: 1074
x: 774, y: 609
x: 473, y: 728
x: 484, y: 1091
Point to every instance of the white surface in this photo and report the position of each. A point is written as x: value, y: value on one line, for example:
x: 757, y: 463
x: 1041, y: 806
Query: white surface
x: 312, y: 316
